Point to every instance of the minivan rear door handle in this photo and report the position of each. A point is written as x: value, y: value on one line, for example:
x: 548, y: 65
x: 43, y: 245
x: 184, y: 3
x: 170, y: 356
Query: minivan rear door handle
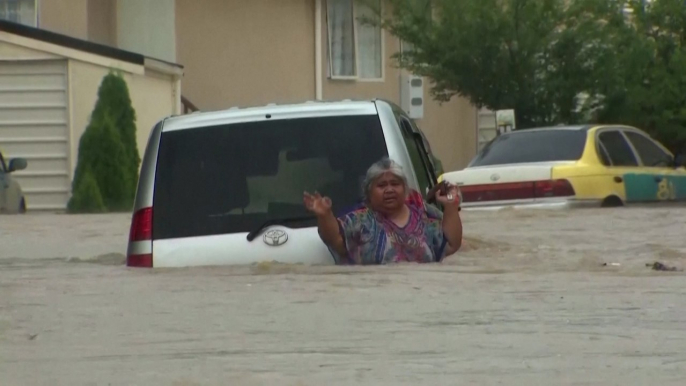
x: 618, y: 179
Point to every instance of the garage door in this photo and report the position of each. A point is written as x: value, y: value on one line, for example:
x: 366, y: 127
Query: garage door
x: 33, y: 125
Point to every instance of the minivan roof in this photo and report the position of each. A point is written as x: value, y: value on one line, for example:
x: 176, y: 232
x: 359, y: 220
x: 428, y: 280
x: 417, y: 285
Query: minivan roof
x: 271, y: 111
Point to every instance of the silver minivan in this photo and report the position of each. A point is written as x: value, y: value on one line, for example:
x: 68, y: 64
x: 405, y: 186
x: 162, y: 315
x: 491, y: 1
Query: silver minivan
x: 226, y: 187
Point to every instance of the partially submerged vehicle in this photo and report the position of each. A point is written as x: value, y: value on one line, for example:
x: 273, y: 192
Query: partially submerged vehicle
x: 12, y: 200
x: 571, y: 166
x: 226, y: 187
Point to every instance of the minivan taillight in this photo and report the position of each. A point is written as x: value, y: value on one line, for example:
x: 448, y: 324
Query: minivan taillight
x: 141, y: 225
x: 142, y: 261
x: 141, y: 230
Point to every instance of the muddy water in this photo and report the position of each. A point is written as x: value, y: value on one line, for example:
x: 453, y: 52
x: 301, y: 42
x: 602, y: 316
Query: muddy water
x: 526, y: 302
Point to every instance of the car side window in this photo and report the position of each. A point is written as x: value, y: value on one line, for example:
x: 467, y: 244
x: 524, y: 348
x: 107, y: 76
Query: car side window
x: 618, y: 149
x: 604, y: 157
x: 418, y: 157
x: 650, y: 153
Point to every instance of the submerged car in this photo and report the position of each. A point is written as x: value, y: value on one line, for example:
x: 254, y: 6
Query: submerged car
x: 226, y: 187
x: 12, y: 198
x: 571, y: 166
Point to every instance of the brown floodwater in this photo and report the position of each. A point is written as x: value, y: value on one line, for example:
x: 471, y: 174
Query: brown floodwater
x: 527, y: 301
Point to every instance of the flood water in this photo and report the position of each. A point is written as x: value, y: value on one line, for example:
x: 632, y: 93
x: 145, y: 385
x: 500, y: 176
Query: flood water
x: 527, y: 301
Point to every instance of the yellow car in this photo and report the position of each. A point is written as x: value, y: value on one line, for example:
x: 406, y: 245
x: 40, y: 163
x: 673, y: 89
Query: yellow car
x: 568, y: 166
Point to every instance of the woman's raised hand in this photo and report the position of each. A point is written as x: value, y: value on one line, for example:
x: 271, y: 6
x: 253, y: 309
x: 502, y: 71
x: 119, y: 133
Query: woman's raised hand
x: 317, y: 204
x: 451, y: 195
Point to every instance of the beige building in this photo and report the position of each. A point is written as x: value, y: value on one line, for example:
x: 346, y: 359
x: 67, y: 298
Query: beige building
x: 242, y: 53
x: 48, y: 89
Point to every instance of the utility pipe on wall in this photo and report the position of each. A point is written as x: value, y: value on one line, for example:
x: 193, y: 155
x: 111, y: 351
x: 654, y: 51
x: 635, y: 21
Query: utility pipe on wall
x: 318, y: 49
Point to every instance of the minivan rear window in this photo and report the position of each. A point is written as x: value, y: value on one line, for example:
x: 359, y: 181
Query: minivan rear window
x: 532, y: 146
x: 232, y: 178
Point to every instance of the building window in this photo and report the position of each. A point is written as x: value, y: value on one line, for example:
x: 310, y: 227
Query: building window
x: 19, y: 11
x: 406, y: 48
x: 355, y: 47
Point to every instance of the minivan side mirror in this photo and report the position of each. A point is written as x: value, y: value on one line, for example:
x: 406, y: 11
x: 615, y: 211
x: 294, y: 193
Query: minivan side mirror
x: 17, y: 164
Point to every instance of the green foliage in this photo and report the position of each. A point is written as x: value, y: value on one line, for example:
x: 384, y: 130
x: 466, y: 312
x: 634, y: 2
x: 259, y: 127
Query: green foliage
x: 114, y: 99
x: 86, y: 197
x: 107, y: 167
x: 650, y: 58
x: 553, y: 61
x: 496, y: 53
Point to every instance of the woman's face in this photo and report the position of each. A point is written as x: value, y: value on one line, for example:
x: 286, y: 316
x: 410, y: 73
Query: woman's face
x: 387, y: 193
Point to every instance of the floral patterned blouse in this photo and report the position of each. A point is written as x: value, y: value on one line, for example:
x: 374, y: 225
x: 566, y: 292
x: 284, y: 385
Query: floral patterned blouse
x: 372, y: 239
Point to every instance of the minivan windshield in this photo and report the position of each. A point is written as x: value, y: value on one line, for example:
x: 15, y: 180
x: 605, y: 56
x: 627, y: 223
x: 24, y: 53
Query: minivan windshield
x: 233, y: 178
x: 532, y: 146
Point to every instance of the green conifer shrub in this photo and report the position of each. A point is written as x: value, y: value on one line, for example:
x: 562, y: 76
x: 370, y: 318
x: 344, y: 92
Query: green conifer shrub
x: 108, y: 153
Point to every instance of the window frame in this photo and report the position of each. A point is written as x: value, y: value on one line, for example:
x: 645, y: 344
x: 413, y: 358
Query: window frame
x: 478, y: 159
x: 670, y: 157
x: 407, y: 47
x: 631, y: 147
x: 167, y: 177
x: 34, y: 18
x: 408, y: 132
x: 603, y: 154
x: 426, y: 146
x: 3, y: 166
x: 356, y: 44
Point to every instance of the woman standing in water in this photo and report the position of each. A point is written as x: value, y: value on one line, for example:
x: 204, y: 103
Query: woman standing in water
x: 389, y: 228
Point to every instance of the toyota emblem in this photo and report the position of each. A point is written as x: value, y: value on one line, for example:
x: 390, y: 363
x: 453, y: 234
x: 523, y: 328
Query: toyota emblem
x: 495, y: 177
x: 275, y: 237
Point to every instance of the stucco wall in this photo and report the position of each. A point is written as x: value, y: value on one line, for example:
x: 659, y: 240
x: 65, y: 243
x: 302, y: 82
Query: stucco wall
x: 450, y: 127
x: 102, y: 21
x: 68, y: 17
x: 148, y: 96
x: 10, y: 51
x: 147, y: 27
x: 240, y: 53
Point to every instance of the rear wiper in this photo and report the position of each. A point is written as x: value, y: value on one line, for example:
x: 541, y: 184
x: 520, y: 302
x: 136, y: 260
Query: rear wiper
x: 277, y: 221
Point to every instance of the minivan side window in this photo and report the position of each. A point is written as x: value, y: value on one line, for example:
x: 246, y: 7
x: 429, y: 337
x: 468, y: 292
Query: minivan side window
x: 434, y: 164
x: 618, y: 148
x: 419, y: 158
x: 650, y: 153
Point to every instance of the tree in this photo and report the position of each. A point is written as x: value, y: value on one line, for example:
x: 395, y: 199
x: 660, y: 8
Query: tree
x: 521, y: 54
x: 114, y: 99
x: 100, y: 160
x: 554, y: 61
x: 650, y: 71
x: 107, y: 167
x: 86, y: 197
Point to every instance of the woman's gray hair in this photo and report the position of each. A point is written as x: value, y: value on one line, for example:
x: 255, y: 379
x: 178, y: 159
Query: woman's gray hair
x: 385, y: 165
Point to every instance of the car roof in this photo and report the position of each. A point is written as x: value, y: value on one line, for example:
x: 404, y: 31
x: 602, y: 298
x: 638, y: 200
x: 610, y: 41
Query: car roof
x: 553, y: 128
x: 272, y: 111
x: 585, y: 127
